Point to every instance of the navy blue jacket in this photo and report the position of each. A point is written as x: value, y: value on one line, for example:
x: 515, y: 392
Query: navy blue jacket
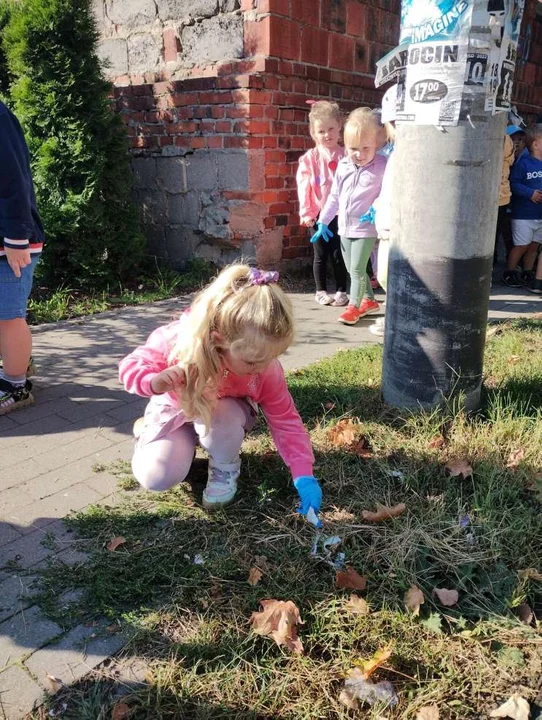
x: 19, y: 218
x: 525, y: 178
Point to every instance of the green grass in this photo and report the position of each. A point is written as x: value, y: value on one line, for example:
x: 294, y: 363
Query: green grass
x: 158, y: 283
x: 191, y: 621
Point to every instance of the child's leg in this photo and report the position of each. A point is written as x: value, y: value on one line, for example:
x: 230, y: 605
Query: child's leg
x: 383, y: 255
x: 165, y: 462
x: 359, y: 255
x: 529, y: 258
x: 319, y: 264
x: 337, y: 260
x: 521, y: 236
x: 231, y: 419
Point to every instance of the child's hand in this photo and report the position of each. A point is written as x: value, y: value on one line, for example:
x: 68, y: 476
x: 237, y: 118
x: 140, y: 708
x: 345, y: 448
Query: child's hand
x: 307, y: 221
x: 323, y: 232
x: 536, y: 197
x: 168, y: 380
x: 309, y: 492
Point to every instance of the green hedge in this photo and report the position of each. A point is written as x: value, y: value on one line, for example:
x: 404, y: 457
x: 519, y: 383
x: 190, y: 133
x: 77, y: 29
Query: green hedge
x: 78, y: 145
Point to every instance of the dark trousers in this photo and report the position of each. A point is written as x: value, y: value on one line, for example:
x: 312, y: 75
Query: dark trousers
x: 332, y: 250
x: 504, y: 229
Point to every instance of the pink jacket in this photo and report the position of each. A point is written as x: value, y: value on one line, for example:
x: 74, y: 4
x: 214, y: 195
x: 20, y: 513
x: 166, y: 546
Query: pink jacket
x: 314, y: 179
x: 353, y: 192
x: 268, y: 389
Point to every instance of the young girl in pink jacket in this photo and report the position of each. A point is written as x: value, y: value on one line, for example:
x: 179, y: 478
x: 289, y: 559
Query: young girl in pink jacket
x: 206, y: 374
x: 314, y: 178
x: 355, y: 187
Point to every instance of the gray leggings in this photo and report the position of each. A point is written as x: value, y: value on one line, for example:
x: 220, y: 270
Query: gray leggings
x: 356, y: 253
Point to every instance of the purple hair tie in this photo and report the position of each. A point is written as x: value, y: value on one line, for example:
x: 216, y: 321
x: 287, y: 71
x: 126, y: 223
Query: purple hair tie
x: 262, y: 277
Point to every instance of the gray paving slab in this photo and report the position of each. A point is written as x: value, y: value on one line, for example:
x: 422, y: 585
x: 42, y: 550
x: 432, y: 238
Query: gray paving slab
x: 19, y: 694
x: 17, y: 592
x: 22, y: 633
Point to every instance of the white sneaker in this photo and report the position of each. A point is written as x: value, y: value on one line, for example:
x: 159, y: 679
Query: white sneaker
x: 377, y: 328
x: 222, y: 484
x: 323, y: 298
x: 340, y: 299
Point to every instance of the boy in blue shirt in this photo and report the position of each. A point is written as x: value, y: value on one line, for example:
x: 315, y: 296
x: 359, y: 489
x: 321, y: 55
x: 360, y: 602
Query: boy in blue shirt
x: 21, y: 241
x: 526, y: 185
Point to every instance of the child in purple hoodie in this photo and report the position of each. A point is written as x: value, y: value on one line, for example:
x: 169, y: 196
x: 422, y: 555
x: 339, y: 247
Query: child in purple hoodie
x: 355, y: 187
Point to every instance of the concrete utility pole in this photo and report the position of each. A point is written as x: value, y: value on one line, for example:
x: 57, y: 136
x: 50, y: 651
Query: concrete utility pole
x: 444, y: 216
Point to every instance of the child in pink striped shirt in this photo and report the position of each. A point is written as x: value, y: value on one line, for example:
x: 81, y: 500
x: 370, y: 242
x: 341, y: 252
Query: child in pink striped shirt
x: 314, y: 180
x: 205, y: 376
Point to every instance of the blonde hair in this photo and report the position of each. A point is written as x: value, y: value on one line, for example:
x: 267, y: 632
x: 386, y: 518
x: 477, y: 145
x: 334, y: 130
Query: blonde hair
x: 361, y: 121
x: 255, y: 320
x: 324, y: 110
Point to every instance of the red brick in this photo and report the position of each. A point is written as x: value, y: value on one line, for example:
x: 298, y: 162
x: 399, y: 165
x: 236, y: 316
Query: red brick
x: 257, y: 37
x: 258, y: 127
x: 279, y: 7
x: 215, y: 141
x: 259, y: 97
x: 356, y: 18
x: 270, y: 142
x: 314, y: 45
x: 223, y: 126
x: 361, y: 56
x: 284, y: 39
x: 271, y: 112
x: 285, y: 68
x: 274, y: 156
x: 171, y: 45
x: 333, y: 15
x: 218, y: 111
x: 198, y: 143
x: 306, y: 11
x: 241, y: 96
x: 185, y: 98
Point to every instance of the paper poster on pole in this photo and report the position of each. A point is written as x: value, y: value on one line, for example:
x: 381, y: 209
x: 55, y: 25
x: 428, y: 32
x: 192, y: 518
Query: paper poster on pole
x: 432, y: 20
x: 504, y: 17
x: 431, y: 89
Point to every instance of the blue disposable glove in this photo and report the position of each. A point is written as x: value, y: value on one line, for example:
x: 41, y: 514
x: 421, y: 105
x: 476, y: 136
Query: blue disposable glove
x: 369, y: 216
x: 322, y: 232
x: 310, y: 493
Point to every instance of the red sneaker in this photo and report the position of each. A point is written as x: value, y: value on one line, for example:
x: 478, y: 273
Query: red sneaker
x: 368, y: 307
x: 350, y: 316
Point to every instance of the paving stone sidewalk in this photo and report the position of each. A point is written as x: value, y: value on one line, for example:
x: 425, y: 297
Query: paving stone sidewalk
x: 82, y: 417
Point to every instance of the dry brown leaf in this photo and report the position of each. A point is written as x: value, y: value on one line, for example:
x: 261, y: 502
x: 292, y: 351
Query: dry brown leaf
x: 120, y: 711
x: 357, y: 605
x: 413, y: 599
x: 459, y: 468
x: 515, y: 458
x: 53, y: 684
x: 525, y: 613
x: 113, y: 629
x: 279, y: 619
x: 350, y: 579
x: 513, y: 359
x: 383, y: 512
x: 446, y: 597
x: 363, y: 448
x: 379, y: 658
x: 530, y: 574
x: 516, y: 708
x: 437, y: 442
x: 254, y: 576
x: 343, y: 434
x: 115, y: 542
x: 428, y: 712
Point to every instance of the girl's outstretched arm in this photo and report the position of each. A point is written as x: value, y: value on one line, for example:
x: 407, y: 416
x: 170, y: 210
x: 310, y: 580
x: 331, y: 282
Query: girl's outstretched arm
x: 138, y: 369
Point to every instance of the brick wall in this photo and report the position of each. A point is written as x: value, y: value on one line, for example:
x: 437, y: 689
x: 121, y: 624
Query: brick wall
x: 216, y: 144
x: 528, y: 84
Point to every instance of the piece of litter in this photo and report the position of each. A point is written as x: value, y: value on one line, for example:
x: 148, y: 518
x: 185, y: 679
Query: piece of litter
x: 358, y: 689
x: 397, y: 474
x: 199, y: 559
x: 464, y: 521
x: 313, y: 518
x: 331, y: 543
x: 329, y: 550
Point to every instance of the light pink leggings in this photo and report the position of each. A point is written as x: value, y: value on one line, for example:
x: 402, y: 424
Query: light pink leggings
x: 165, y: 462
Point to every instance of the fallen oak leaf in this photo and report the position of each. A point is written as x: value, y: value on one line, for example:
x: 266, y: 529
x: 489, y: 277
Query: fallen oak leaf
x: 254, y: 576
x: 525, y: 613
x: 278, y: 619
x: 383, y: 512
x: 513, y: 359
x: 428, y: 712
x: 413, y: 599
x: 515, y: 458
x: 516, y: 708
x: 379, y: 658
x: 437, y: 442
x: 448, y: 598
x: 350, y: 579
x: 115, y: 542
x: 343, y: 434
x: 120, y: 711
x: 459, y: 468
x: 357, y: 605
x: 362, y: 448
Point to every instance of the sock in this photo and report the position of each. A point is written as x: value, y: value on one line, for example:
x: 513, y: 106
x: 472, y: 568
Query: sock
x: 17, y: 380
